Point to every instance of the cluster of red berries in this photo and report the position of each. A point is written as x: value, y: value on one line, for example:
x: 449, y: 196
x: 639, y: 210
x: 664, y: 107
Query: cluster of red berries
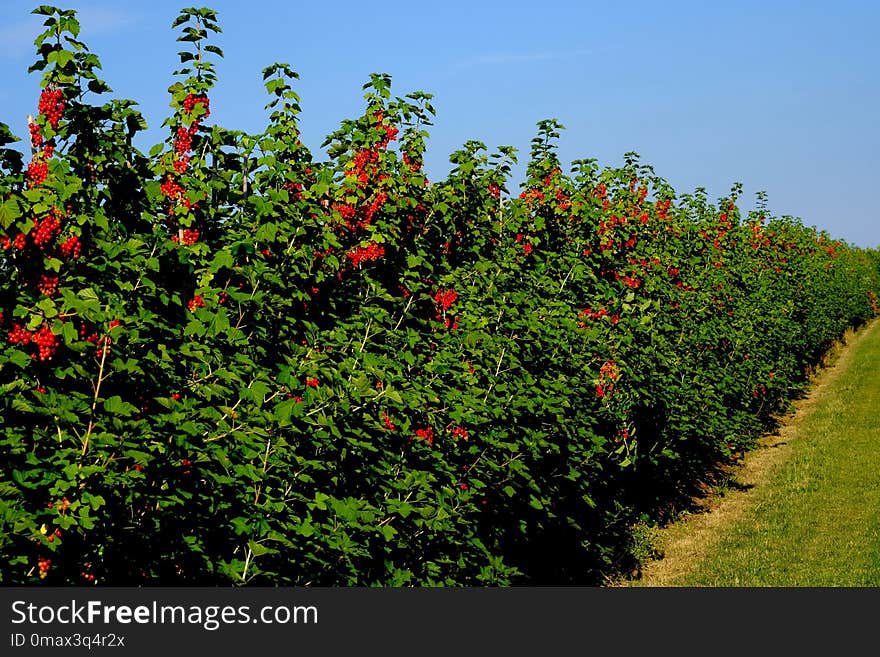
x: 564, y: 202
x: 62, y: 508
x: 346, y: 211
x: 426, y: 434
x: 71, y: 247
x: 181, y: 164
x: 626, y: 279
x: 373, y: 208
x: 48, y: 285
x: 171, y: 189
x: 367, y: 253
x: 196, y: 302
x: 390, y: 135
x: 52, y: 106
x: 360, y: 170
x: 44, y: 339
x: 364, y: 168
x: 36, y: 135
x: 183, y: 142
x: 529, y: 195
x: 44, y: 564
x: 460, y: 432
x: 596, y: 314
x: 45, y: 230
x: 446, y: 299
x: 82, y: 334
x: 390, y: 131
x: 192, y: 100
x: 296, y: 188
x: 19, y: 335
x: 608, y: 375
x: 102, y: 344
x: 183, y: 136
x: 190, y: 236
x: 37, y: 171
x: 411, y: 163
x: 182, y: 146
x: 312, y: 383
x: 663, y: 209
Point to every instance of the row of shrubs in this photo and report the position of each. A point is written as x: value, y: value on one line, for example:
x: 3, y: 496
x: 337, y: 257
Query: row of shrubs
x: 229, y: 362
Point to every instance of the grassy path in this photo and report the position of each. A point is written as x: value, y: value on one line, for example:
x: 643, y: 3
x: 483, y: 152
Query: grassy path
x: 807, y: 512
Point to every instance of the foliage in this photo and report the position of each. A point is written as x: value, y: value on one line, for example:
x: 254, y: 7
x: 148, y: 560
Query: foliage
x: 229, y: 362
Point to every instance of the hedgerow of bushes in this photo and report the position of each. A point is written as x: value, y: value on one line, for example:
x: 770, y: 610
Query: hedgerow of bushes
x: 229, y: 362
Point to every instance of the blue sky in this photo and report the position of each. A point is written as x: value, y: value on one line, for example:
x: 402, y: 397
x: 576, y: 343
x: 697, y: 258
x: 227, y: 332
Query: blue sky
x: 781, y: 96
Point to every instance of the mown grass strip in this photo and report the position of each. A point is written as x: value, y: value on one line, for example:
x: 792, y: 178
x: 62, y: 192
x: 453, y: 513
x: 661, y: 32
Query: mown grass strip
x: 815, y: 519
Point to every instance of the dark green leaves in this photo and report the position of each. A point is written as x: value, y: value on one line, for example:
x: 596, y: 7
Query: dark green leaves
x: 225, y: 362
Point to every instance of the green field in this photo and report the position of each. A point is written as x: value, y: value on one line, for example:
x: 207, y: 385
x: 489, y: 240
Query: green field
x: 811, y: 517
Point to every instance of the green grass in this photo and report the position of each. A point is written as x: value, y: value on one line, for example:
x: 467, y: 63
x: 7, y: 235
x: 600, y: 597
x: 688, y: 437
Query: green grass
x: 816, y: 521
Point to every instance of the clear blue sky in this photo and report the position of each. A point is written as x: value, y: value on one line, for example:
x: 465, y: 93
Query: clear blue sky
x: 783, y: 96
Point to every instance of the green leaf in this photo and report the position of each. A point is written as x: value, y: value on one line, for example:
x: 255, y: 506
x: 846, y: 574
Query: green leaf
x: 9, y: 211
x: 87, y: 293
x: 47, y: 305
x: 19, y: 404
x: 85, y: 520
x: 68, y: 330
x: 19, y: 358
x: 60, y: 57
x: 258, y: 549
x: 99, y: 87
x: 287, y: 409
x: 117, y: 407
x: 223, y: 258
